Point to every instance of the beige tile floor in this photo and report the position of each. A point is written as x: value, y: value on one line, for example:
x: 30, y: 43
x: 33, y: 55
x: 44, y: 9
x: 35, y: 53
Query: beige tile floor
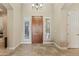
x: 43, y: 50
x: 39, y: 50
x: 35, y: 50
x: 5, y: 52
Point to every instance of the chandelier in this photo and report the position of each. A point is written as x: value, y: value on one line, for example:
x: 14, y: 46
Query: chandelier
x: 37, y: 6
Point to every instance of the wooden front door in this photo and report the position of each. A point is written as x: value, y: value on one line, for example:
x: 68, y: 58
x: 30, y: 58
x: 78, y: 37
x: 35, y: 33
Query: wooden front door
x: 37, y: 29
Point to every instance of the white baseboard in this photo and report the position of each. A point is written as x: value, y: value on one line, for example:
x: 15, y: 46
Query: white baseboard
x: 13, y: 48
x: 62, y: 48
x: 26, y: 43
x: 47, y: 42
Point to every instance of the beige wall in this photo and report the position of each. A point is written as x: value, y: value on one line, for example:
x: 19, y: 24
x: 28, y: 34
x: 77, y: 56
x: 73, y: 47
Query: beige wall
x: 60, y: 26
x: 45, y: 11
x: 17, y: 23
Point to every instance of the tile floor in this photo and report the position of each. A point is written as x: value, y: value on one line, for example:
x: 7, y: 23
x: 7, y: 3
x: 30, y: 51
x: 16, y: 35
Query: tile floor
x: 5, y: 52
x: 43, y: 50
x: 39, y: 50
x: 35, y: 50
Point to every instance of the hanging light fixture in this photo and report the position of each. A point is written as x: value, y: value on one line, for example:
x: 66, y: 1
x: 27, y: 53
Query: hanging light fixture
x: 37, y: 6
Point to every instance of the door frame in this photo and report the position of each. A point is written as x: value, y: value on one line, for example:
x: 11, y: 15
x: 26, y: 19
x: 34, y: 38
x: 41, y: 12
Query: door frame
x: 24, y: 41
x: 30, y: 32
x: 44, y: 30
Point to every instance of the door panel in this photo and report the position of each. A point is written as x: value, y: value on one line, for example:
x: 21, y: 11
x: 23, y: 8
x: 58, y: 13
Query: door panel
x: 37, y: 29
x: 73, y: 30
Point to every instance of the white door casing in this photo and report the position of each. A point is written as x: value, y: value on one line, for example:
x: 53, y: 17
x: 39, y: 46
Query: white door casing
x: 29, y: 41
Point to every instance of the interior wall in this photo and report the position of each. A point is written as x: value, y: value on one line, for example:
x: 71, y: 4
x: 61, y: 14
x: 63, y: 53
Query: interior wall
x: 46, y: 11
x: 10, y: 29
x: 17, y: 23
x: 60, y: 29
x: 63, y: 30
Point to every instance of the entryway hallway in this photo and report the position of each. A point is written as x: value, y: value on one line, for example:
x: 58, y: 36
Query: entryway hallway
x: 60, y: 29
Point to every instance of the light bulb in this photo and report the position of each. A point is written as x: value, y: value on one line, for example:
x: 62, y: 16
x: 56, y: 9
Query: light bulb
x: 33, y: 5
x: 41, y: 5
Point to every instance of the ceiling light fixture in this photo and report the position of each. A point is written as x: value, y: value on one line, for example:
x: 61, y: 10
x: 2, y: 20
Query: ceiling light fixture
x: 37, y: 6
